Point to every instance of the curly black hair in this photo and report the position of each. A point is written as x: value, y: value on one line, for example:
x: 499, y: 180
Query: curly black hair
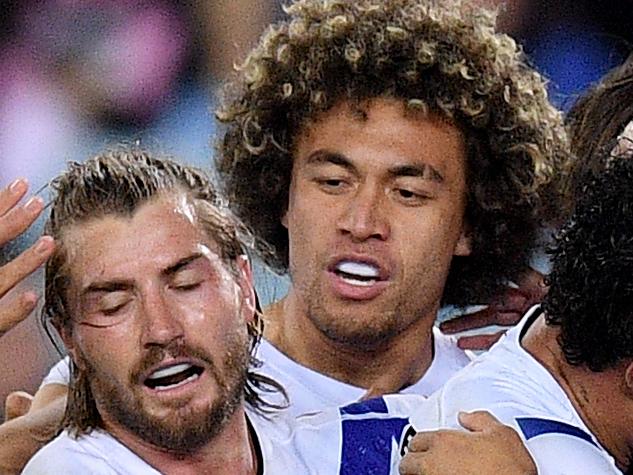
x: 591, y: 285
x: 441, y: 57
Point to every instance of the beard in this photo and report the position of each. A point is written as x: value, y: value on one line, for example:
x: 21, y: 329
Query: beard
x: 184, y: 429
x: 364, y: 325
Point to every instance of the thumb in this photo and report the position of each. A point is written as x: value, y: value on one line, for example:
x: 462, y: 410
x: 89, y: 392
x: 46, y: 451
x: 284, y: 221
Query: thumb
x: 477, y: 421
x: 17, y: 404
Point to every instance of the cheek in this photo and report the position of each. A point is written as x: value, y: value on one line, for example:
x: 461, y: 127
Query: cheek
x: 108, y: 350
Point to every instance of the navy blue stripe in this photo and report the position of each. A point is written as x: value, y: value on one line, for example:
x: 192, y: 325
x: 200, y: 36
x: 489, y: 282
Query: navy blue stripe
x: 368, y: 443
x: 533, y: 427
x: 377, y: 405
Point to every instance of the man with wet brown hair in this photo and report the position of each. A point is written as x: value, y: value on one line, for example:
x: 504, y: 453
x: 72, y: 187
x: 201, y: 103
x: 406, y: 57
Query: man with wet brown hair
x: 150, y: 290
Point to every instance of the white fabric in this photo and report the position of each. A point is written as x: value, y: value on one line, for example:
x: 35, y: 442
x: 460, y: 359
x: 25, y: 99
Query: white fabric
x: 518, y: 390
x: 310, y: 391
x: 58, y: 374
x: 98, y: 453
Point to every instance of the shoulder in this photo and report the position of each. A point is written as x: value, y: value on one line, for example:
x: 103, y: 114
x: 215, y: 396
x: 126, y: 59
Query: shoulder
x: 69, y: 456
x: 561, y: 448
x: 97, y: 453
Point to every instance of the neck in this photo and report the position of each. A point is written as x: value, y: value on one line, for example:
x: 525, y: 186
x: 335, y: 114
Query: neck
x: 600, y: 398
x: 230, y: 452
x: 393, y: 364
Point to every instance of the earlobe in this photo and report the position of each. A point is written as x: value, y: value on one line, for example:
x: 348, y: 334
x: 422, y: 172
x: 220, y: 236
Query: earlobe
x: 463, y: 246
x: 628, y: 380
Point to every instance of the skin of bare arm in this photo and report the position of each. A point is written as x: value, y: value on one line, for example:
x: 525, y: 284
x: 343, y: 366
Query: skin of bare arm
x: 21, y: 437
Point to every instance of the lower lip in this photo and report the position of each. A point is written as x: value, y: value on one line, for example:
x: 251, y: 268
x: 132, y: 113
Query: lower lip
x: 177, y: 391
x: 345, y: 290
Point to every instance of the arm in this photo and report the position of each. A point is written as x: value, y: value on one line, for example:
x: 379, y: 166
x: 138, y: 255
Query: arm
x: 505, y: 310
x: 21, y: 437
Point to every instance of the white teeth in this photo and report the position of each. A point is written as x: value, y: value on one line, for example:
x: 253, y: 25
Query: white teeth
x: 357, y: 268
x: 361, y: 283
x: 184, y: 381
x: 169, y: 371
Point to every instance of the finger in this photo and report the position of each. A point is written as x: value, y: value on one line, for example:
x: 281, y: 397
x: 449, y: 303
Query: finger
x: 17, y: 404
x: 25, y: 264
x: 16, y: 310
x: 413, y: 464
x: 478, y: 421
x: 12, y: 194
x: 479, y: 342
x: 470, y: 321
x: 18, y: 219
x: 422, y: 441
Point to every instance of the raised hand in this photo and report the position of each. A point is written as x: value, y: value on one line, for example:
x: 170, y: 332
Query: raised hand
x: 15, y: 218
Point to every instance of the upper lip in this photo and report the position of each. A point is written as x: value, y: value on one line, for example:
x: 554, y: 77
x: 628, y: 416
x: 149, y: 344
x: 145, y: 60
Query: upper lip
x: 383, y: 270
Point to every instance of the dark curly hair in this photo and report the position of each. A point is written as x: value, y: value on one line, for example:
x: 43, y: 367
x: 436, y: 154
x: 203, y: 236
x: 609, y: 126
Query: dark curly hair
x: 591, y: 285
x: 441, y: 57
x: 594, y: 122
x: 118, y: 183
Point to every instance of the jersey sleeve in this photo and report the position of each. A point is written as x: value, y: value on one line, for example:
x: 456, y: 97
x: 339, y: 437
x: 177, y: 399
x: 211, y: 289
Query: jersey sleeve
x: 559, y: 448
x: 59, y: 374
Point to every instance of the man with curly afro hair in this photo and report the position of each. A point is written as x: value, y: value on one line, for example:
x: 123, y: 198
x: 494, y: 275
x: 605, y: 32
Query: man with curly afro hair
x: 393, y: 157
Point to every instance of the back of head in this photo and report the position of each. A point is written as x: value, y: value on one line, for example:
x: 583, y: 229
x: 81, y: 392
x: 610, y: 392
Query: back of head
x: 443, y: 58
x: 591, y: 284
x: 595, y: 121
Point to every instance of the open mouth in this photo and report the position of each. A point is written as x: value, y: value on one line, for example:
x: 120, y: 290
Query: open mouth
x: 357, y: 273
x: 173, y: 376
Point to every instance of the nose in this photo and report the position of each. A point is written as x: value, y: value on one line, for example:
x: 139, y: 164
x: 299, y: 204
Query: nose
x: 161, y: 321
x: 364, y: 215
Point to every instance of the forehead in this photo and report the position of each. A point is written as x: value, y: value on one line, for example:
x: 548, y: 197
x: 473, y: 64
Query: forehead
x: 159, y: 233
x: 385, y: 125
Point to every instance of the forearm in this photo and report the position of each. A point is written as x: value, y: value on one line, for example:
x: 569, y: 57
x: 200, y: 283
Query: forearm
x: 20, y: 438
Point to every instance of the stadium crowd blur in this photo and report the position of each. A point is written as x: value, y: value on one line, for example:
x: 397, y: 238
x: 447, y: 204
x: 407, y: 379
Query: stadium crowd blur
x: 80, y: 75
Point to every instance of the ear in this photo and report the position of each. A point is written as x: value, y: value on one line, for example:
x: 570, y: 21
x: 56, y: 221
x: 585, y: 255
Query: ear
x: 463, y: 245
x: 70, y: 345
x: 284, y: 219
x: 628, y: 379
x: 245, y: 282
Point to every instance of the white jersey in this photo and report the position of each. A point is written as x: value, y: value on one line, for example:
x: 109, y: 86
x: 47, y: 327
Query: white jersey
x: 310, y: 391
x: 508, y: 382
x: 99, y: 453
x: 521, y: 393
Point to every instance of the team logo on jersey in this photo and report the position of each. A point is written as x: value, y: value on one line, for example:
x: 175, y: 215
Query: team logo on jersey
x: 407, y: 435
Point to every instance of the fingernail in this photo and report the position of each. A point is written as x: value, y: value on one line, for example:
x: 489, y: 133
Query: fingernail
x: 44, y: 244
x: 18, y: 186
x: 34, y: 204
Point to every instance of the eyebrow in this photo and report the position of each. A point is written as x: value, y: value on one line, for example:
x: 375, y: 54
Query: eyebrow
x: 185, y: 261
x: 424, y: 170
x: 119, y: 285
x: 333, y: 158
